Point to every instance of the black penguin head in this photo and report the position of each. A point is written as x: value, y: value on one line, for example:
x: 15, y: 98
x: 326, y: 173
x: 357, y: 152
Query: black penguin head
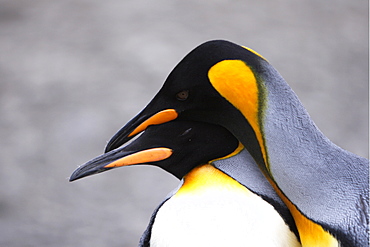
x: 176, y: 147
x: 195, y: 91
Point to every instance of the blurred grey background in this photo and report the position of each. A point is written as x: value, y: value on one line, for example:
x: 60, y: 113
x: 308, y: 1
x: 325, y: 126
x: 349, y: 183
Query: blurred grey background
x: 73, y: 72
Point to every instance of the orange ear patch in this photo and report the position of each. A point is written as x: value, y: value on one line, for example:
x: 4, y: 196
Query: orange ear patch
x: 236, y: 82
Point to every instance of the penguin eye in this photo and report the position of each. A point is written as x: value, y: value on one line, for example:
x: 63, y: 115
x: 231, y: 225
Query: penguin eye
x: 183, y: 95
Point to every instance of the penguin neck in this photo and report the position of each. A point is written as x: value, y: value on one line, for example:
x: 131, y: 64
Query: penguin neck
x: 289, y: 131
x: 309, y: 172
x: 204, y: 177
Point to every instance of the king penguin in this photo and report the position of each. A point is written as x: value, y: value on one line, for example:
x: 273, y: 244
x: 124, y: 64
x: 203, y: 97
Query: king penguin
x: 218, y: 203
x: 325, y: 187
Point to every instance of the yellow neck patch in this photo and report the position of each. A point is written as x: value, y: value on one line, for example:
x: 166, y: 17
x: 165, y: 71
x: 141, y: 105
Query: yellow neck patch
x: 206, y: 176
x: 236, y: 82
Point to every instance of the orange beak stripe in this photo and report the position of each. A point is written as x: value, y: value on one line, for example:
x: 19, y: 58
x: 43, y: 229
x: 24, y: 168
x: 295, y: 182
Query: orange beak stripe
x: 158, y: 118
x: 145, y: 156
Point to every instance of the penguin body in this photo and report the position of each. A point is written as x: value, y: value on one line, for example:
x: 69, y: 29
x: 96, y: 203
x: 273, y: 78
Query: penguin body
x: 325, y: 187
x: 212, y: 209
x: 218, y: 202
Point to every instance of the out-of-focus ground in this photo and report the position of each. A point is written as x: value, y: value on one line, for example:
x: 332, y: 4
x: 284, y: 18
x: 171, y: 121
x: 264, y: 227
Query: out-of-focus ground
x: 73, y: 72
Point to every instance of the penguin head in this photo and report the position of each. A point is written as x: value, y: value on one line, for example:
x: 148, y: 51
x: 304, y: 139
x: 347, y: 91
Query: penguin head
x: 211, y: 84
x: 177, y: 147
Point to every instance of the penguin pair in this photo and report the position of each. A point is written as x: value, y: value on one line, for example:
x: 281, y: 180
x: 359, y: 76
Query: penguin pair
x: 218, y: 203
x: 325, y: 188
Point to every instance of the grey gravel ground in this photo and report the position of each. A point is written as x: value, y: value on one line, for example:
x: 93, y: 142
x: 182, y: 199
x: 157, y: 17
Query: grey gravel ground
x: 73, y: 72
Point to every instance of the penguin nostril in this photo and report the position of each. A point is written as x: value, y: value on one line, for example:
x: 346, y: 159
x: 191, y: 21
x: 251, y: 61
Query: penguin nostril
x: 186, y: 132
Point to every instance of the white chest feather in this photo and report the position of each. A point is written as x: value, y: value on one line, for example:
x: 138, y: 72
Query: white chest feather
x: 218, y: 213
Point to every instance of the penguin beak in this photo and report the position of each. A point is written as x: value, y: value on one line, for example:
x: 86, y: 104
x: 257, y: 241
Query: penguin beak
x: 139, y: 124
x: 119, y: 157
